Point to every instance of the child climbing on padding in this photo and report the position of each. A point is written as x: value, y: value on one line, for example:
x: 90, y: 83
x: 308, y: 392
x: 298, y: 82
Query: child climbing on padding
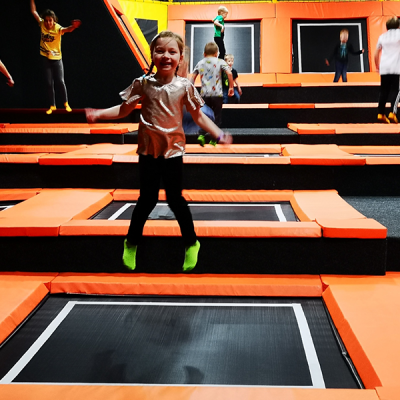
x: 161, y: 141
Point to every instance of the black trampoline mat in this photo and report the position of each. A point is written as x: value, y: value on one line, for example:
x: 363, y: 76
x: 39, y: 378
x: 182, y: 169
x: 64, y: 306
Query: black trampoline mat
x: 177, y: 341
x: 280, y: 211
x: 4, y: 205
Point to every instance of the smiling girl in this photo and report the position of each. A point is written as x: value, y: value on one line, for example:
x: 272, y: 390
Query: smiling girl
x: 161, y: 140
x: 50, y: 49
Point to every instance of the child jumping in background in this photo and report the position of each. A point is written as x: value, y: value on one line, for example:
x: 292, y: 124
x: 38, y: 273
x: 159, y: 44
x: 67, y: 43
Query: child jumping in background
x: 387, y: 62
x: 229, y: 58
x: 341, y: 56
x: 210, y: 69
x: 161, y: 141
x: 219, y: 30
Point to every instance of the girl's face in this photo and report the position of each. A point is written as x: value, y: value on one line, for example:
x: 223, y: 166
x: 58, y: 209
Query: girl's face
x: 48, y: 23
x: 166, y: 56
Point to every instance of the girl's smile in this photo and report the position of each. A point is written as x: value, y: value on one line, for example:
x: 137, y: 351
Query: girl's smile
x: 166, y: 57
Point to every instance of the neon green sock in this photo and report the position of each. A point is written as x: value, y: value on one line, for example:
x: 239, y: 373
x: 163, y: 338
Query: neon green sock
x: 191, y: 255
x: 129, y: 256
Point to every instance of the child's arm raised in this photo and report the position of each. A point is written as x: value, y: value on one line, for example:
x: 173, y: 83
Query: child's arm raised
x: 116, y: 112
x: 204, y: 122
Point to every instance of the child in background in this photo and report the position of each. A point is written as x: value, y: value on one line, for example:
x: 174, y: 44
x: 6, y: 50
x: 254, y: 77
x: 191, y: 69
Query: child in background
x: 210, y: 69
x: 341, y: 56
x: 229, y: 58
x: 161, y: 141
x: 388, y: 66
x: 219, y: 30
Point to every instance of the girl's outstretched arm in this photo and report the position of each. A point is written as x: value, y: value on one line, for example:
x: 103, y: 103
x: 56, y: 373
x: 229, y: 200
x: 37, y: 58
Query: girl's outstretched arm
x: 116, y: 112
x: 76, y: 23
x: 204, y: 122
x: 34, y: 12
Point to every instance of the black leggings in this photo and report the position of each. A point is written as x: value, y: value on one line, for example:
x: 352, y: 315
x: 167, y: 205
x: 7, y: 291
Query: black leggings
x: 221, y: 46
x: 54, y: 74
x: 389, y: 92
x: 152, y: 171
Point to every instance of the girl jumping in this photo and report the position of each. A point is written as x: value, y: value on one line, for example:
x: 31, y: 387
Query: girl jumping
x: 161, y: 140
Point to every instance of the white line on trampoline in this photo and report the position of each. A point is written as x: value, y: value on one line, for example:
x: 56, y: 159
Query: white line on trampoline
x: 311, y: 355
x: 278, y: 208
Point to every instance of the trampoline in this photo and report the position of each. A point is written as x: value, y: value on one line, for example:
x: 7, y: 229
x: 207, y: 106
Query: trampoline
x: 4, y: 205
x: 279, y: 211
x: 217, y: 341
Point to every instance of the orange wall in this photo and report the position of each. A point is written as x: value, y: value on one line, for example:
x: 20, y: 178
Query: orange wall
x: 276, y: 23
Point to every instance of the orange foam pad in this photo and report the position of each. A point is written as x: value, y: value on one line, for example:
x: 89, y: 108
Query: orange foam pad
x: 236, y: 160
x: 346, y: 105
x: 20, y: 158
x: 235, y: 149
x: 184, y: 285
x: 81, y: 128
x: 215, y: 195
x: 324, y: 204
x: 17, y: 194
x: 367, y: 128
x: 96, y: 392
x: 123, y: 128
x: 17, y: 299
x: 107, y: 149
x: 352, y: 228
x: 365, y: 312
x: 383, y: 161
x: 312, y: 129
x: 325, y: 154
x: 40, y: 149
x: 76, y: 159
x: 242, y: 106
x: 371, y: 149
x: 43, y: 214
x: 294, y: 105
x: 249, y: 229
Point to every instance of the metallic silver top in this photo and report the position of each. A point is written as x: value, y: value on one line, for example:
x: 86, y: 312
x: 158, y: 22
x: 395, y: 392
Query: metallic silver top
x: 160, y: 127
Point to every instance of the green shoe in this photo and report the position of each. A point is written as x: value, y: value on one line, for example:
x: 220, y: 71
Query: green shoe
x: 213, y: 143
x: 129, y: 256
x: 191, y: 255
x: 202, y: 140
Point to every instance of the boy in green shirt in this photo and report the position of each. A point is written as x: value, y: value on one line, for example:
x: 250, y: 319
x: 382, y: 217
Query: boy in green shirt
x: 219, y: 30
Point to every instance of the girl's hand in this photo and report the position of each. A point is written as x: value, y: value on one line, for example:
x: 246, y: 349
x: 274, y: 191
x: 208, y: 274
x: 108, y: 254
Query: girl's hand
x: 76, y: 23
x: 225, y: 138
x: 10, y: 81
x: 91, y: 115
x: 223, y: 29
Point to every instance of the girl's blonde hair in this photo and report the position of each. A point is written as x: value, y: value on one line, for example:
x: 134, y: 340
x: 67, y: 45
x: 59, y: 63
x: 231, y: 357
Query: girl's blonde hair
x: 161, y: 35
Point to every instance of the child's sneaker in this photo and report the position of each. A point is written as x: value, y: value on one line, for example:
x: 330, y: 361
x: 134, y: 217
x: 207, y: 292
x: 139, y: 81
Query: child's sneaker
x: 202, y: 140
x: 191, y: 254
x: 213, y: 143
x: 393, y: 118
x: 383, y: 118
x: 67, y: 107
x: 129, y: 256
x: 51, y: 109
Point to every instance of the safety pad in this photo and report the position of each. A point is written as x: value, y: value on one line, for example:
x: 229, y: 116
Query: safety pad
x: 324, y: 204
x: 382, y: 160
x: 18, y: 298
x: 371, y: 149
x: 107, y: 149
x: 235, y: 149
x: 245, y: 106
x: 225, y: 229
x: 21, y: 158
x: 40, y: 148
x: 215, y: 195
x: 236, y: 160
x: 76, y: 159
x: 312, y: 129
x: 43, y: 214
x: 352, y: 228
x: 204, y: 285
x: 323, y: 154
x: 51, y: 392
x: 17, y: 194
x: 388, y: 393
x: 346, y: 105
x: 365, y: 312
x: 325, y: 129
x: 117, y: 130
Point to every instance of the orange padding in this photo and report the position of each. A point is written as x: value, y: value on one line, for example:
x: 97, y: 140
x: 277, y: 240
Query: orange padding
x: 97, y: 392
x: 40, y: 148
x: 235, y: 149
x: 325, y: 129
x: 232, y: 229
x: 80, y: 128
x: 365, y: 312
x: 17, y: 194
x: 322, y: 154
x: 20, y: 158
x: 19, y: 294
x: 371, y: 149
x: 43, y: 214
x: 293, y: 105
x: 184, y: 285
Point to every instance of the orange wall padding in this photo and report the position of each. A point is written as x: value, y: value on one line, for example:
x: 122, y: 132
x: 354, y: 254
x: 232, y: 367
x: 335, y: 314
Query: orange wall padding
x: 204, y: 285
x: 51, y: 392
x: 17, y: 194
x: 276, y: 19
